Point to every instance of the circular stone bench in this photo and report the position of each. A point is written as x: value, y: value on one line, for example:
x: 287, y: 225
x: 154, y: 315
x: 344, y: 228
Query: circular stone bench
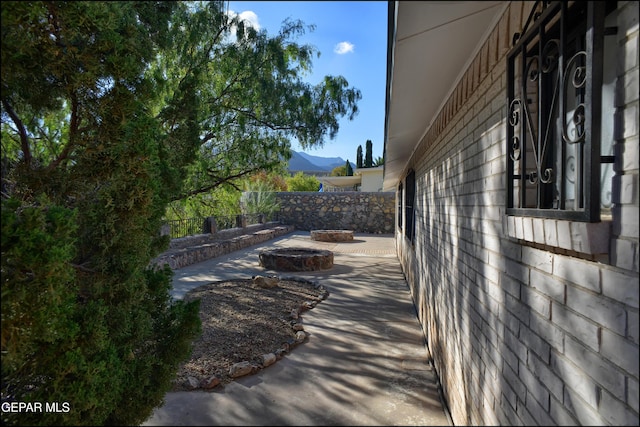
x: 332, y: 235
x: 296, y: 259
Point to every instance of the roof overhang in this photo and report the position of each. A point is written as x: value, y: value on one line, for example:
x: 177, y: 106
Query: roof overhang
x: 368, y: 171
x: 340, y: 181
x: 430, y: 45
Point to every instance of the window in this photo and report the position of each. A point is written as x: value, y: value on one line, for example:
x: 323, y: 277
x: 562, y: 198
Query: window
x: 400, y: 196
x: 409, y: 200
x: 560, y: 118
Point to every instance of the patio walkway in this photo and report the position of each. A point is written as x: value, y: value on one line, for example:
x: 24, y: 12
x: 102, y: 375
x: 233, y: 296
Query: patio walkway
x: 364, y: 363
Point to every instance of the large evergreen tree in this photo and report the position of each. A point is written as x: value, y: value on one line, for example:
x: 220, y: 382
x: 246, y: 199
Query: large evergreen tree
x: 86, y: 177
x: 348, y: 168
x: 359, y: 157
x: 107, y: 108
x: 368, y: 156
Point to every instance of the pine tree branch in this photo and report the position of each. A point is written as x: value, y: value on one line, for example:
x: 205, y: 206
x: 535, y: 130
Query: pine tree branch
x: 24, y: 138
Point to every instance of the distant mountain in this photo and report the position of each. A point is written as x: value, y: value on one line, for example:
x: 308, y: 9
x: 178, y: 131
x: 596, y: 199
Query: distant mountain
x: 307, y: 163
x: 300, y: 163
x: 327, y: 162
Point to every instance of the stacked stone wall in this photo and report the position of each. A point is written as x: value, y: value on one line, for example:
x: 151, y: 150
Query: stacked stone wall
x: 201, y: 247
x: 361, y: 212
x: 228, y: 234
x: 356, y: 211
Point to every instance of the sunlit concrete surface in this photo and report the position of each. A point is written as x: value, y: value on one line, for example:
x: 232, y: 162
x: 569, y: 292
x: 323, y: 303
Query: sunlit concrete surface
x: 365, y: 361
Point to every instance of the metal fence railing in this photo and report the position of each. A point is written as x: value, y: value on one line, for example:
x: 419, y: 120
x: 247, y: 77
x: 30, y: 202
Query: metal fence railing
x: 192, y: 226
x: 226, y: 222
x: 186, y: 227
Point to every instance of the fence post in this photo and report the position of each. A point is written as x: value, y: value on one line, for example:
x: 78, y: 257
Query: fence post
x: 241, y: 221
x: 165, y: 230
x: 210, y: 225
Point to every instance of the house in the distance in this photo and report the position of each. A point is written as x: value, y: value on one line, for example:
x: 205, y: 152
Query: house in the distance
x: 371, y: 178
x: 363, y: 179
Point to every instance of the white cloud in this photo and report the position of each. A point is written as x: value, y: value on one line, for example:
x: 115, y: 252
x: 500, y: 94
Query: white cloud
x: 343, y: 47
x: 249, y: 17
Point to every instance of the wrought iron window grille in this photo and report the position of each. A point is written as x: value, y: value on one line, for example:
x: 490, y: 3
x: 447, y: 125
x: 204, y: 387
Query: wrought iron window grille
x: 555, y: 77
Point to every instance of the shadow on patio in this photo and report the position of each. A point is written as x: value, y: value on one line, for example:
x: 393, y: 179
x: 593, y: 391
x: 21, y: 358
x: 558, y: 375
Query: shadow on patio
x: 365, y: 361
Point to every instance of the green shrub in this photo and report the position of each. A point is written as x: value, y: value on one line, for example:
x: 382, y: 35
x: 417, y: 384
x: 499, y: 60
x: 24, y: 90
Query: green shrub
x: 259, y: 199
x: 105, y: 344
x: 302, y: 182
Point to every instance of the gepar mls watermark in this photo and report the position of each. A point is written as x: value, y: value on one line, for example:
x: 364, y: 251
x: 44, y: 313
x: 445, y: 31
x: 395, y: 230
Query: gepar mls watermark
x: 36, y: 407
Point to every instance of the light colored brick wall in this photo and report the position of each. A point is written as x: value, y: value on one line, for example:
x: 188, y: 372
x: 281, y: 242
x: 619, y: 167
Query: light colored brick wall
x: 528, y: 321
x: 625, y: 251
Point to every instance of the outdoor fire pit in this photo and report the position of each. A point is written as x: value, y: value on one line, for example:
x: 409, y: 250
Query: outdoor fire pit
x: 332, y: 235
x: 296, y: 259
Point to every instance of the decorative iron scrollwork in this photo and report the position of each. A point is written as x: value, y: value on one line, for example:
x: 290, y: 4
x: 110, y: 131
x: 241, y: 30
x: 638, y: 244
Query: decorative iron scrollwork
x: 555, y: 91
x: 578, y: 81
x: 514, y: 120
x: 543, y: 64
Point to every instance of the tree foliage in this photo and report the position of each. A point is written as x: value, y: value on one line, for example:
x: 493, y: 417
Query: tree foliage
x: 86, y: 178
x: 272, y: 181
x: 348, y: 168
x: 253, y: 98
x: 110, y: 110
x: 368, y: 154
x: 302, y: 182
x: 359, y: 163
x: 224, y: 201
x: 339, y: 171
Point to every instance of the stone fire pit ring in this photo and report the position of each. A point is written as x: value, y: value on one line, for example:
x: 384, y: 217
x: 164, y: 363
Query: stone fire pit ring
x: 332, y: 235
x: 296, y: 259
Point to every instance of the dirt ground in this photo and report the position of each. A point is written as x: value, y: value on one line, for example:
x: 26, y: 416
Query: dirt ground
x: 242, y: 320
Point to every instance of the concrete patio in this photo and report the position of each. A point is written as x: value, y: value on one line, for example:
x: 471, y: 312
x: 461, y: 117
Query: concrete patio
x: 365, y: 361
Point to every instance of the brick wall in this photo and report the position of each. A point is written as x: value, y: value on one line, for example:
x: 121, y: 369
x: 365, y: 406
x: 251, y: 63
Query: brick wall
x: 361, y: 212
x: 526, y: 323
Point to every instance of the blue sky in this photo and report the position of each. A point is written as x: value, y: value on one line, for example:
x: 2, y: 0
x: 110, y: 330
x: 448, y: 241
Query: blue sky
x: 352, y: 40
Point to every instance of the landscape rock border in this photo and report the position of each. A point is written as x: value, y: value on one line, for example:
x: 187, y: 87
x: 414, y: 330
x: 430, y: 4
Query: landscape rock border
x: 244, y: 368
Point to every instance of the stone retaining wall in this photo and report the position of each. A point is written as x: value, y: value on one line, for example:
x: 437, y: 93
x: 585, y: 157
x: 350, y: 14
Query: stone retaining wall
x: 361, y: 212
x: 201, y: 247
x: 201, y: 239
